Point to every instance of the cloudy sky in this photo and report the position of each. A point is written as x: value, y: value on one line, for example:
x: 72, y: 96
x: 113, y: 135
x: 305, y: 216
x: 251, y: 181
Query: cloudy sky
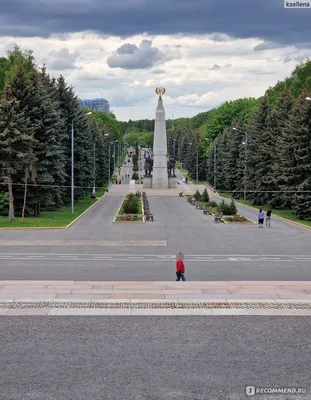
x: 203, y: 52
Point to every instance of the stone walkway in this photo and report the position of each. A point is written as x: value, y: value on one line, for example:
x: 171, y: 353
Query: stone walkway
x: 154, y: 298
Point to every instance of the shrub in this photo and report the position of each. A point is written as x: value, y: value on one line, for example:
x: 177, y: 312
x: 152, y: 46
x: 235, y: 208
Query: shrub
x: 236, y: 218
x: 131, y: 206
x: 197, y: 196
x: 228, y: 209
x: 212, y: 204
x: 205, y: 196
x: 135, y: 168
x: 232, y: 208
x: 135, y: 176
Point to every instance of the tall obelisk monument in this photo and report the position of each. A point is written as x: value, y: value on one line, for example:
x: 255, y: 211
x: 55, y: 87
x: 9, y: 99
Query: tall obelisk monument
x: 160, y: 172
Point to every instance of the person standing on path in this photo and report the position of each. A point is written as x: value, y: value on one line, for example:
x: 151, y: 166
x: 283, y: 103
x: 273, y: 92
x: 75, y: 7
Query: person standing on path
x: 268, y: 218
x: 180, y: 268
x: 261, y: 218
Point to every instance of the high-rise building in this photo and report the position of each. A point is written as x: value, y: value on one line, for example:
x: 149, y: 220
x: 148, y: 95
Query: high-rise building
x: 95, y: 104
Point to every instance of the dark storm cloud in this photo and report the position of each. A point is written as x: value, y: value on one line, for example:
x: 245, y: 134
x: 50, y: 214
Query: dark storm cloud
x: 129, y: 56
x: 265, y: 19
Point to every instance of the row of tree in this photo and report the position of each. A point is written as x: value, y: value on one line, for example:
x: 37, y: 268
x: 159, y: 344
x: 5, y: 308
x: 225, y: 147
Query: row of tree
x: 261, y: 145
x: 37, y: 117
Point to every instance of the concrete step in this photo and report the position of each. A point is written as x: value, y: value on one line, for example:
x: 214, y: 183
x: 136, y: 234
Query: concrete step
x: 154, y: 298
x: 224, y: 290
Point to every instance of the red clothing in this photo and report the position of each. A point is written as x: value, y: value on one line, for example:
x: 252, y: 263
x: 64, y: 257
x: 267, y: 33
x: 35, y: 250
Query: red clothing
x: 180, y: 267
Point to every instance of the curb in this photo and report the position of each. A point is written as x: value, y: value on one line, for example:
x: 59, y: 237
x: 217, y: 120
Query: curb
x: 84, y: 212
x: 114, y: 220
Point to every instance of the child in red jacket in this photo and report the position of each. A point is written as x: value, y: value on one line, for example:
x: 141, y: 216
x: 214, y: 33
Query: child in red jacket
x: 180, y: 268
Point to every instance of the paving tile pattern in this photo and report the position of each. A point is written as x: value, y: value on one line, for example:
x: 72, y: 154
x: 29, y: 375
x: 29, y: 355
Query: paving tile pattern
x: 155, y: 305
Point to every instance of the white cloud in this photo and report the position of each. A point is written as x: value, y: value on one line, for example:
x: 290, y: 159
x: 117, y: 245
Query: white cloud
x: 188, y: 68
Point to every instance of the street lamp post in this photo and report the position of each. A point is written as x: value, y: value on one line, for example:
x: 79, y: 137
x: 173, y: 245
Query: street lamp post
x: 197, y: 162
x: 109, y: 156
x: 94, y: 170
x: 215, y: 167
x: 245, y: 165
x: 73, y: 161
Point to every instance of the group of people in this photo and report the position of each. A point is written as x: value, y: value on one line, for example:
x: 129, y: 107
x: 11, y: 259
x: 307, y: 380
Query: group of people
x: 261, y: 218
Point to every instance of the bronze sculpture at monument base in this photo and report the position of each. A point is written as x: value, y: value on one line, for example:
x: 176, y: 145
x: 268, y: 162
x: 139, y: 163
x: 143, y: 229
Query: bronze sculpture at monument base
x: 171, y: 166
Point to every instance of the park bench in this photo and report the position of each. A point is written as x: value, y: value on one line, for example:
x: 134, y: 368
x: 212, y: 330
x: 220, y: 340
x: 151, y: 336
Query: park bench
x: 181, y: 194
x: 218, y: 217
x: 207, y: 211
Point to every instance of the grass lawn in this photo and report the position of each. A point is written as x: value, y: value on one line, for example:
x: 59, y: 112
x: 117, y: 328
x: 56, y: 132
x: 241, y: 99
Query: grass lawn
x: 288, y: 214
x: 50, y: 219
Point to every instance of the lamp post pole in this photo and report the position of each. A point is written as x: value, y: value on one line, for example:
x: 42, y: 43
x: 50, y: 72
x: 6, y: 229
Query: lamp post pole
x: 215, y: 167
x: 73, y: 161
x: 109, y: 162
x: 94, y: 170
x: 246, y: 156
x: 109, y: 156
x: 245, y: 168
x: 197, y: 162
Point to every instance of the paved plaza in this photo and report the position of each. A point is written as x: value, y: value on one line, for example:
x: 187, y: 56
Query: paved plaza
x: 95, y: 308
x: 96, y: 249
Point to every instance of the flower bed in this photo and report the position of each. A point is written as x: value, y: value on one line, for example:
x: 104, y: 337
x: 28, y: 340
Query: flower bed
x: 130, y: 209
x: 236, y: 219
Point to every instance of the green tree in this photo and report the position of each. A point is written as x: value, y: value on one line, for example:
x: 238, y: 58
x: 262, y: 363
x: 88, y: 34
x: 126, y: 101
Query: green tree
x: 205, y: 196
x: 15, y: 136
x: 301, y: 125
x: 256, y: 153
x: 283, y: 150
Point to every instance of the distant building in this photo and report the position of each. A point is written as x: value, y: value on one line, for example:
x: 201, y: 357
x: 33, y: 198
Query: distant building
x: 95, y: 104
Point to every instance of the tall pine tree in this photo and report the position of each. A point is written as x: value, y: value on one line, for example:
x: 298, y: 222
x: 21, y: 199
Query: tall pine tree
x: 16, y: 135
x: 301, y: 124
x: 283, y: 161
x: 256, y: 153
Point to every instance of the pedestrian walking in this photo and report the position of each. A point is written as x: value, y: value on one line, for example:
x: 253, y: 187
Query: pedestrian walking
x: 261, y: 218
x: 268, y: 218
x: 180, y: 267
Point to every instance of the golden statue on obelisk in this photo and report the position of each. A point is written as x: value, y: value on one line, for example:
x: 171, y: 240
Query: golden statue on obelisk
x: 160, y: 91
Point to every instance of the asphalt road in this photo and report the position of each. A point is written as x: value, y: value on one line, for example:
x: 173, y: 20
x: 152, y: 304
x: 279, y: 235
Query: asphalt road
x: 230, y: 252
x: 152, y: 358
x: 112, y: 267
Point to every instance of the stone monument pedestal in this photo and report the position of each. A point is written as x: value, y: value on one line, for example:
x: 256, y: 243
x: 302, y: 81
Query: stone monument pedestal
x: 147, y: 182
x: 172, y: 182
